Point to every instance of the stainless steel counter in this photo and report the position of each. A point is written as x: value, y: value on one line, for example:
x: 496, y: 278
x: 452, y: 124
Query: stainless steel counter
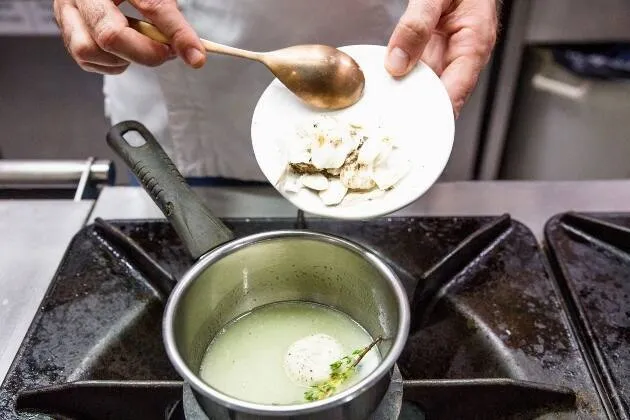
x: 35, y: 234
x: 134, y: 203
x: 529, y: 202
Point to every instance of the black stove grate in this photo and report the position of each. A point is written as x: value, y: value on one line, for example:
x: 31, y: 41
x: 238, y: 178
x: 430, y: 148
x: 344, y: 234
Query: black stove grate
x: 591, y: 257
x: 490, y: 337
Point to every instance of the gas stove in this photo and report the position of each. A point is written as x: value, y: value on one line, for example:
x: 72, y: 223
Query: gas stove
x: 494, y: 334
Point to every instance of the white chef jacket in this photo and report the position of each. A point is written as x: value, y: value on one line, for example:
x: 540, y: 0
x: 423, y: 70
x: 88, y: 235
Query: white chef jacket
x: 202, y: 117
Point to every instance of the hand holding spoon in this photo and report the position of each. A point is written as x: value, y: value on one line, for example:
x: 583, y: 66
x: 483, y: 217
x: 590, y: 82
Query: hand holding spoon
x: 319, y: 75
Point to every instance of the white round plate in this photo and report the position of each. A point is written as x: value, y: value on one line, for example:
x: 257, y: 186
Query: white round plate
x: 414, y: 110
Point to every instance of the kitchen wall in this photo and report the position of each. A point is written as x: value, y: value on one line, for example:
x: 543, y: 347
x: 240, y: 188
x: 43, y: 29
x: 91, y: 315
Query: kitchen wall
x: 49, y: 108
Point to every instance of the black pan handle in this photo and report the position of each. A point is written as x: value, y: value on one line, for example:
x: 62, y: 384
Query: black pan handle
x: 196, y: 226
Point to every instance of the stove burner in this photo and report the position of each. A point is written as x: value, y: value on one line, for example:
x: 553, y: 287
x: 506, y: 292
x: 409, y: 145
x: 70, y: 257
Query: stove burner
x: 490, y: 335
x: 388, y: 409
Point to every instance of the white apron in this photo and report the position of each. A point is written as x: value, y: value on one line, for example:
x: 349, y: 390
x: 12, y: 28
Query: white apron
x: 202, y: 117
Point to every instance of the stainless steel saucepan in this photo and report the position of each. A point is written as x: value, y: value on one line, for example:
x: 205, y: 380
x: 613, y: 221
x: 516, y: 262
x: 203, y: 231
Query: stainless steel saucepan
x: 234, y: 276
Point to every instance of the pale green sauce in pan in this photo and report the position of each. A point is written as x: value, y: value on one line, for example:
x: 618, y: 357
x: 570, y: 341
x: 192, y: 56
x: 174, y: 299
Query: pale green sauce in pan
x: 273, y: 353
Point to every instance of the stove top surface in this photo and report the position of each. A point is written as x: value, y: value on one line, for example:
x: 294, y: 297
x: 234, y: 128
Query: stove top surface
x: 491, y: 337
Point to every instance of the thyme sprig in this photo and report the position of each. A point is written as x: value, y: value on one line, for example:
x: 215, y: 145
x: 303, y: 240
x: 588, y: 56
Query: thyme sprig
x: 340, y: 371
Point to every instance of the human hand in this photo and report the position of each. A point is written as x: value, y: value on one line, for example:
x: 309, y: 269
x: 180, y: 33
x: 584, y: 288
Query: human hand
x: 98, y: 37
x: 454, y: 37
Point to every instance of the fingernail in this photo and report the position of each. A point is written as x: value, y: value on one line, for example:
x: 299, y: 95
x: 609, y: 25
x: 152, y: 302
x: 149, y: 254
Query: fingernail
x: 169, y: 53
x: 194, y: 57
x: 397, y: 61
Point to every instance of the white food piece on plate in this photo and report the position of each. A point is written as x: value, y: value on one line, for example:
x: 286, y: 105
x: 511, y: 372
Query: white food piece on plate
x: 356, y: 176
x: 329, y: 153
x: 314, y: 181
x: 299, y: 154
x: 333, y: 171
x: 369, y: 151
x: 308, y: 360
x: 331, y: 143
x: 292, y: 183
x: 298, y: 148
x: 393, y: 169
x: 386, y: 150
x: 372, y: 149
x: 334, y: 194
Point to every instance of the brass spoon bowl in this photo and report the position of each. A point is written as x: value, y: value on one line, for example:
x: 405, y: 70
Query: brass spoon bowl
x: 321, y: 76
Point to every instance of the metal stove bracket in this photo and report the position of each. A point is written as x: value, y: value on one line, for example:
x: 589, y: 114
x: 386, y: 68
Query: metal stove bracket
x: 83, y: 188
x: 438, y: 278
x: 161, y: 280
x: 300, y: 220
x: 97, y: 400
x: 486, y: 398
x: 604, y: 233
x: 616, y: 239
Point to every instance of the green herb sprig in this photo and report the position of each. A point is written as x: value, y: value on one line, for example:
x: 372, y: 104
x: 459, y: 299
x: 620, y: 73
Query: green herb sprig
x: 340, y: 371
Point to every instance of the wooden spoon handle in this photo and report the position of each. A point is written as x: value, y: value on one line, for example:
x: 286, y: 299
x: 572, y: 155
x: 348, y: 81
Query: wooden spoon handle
x: 151, y: 31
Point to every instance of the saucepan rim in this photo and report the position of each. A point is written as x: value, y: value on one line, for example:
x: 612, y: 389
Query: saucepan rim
x: 347, y: 395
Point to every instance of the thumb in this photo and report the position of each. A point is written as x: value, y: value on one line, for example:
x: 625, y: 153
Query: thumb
x: 412, y: 34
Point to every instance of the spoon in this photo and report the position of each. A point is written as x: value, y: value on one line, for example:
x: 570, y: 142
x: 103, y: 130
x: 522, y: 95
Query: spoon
x: 319, y: 75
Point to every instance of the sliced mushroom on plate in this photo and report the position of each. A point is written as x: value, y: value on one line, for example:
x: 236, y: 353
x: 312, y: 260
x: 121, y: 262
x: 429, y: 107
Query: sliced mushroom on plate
x: 336, y: 159
x: 334, y: 194
x: 292, y: 183
x: 358, y: 176
x: 317, y: 182
x: 388, y: 172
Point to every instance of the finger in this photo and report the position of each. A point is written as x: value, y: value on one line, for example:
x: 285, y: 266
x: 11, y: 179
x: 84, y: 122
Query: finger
x: 412, y: 34
x: 468, y: 51
x: 96, y: 68
x: 80, y: 44
x: 108, y: 27
x: 166, y: 16
x: 459, y: 79
x: 433, y: 54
